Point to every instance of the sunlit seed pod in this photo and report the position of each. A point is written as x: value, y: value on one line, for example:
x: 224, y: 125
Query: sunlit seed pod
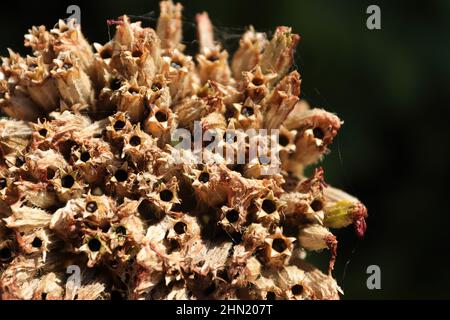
x: 166, y: 194
x: 16, y: 135
x: 67, y: 184
x: 182, y: 231
x: 121, y: 180
x: 17, y: 103
x: 49, y: 288
x: 280, y: 104
x: 19, y: 280
x: 92, y: 159
x: 342, y: 209
x: 130, y: 99
x: 288, y: 86
x: 255, y: 84
x: 41, y: 194
x: 40, y: 86
x: 278, y: 248
x: 95, y: 247
x: 315, y: 283
x: 269, y: 210
x: 68, y: 37
x: 255, y: 235
x: 268, y: 289
x: 231, y: 219
x: 317, y: 237
x: 138, y: 147
x: 292, y: 280
x: 25, y: 218
x: 207, y: 186
x: 137, y: 51
x: 132, y: 227
x: 35, y: 241
x: 72, y: 82
x: 42, y: 165
x: 65, y: 221
x: 118, y: 125
x: 250, y: 115
x: 248, y: 55
x: 97, y: 210
x: 316, y: 130
x: 170, y: 26
x: 159, y: 122
x: 286, y: 141
x: 100, y: 66
x: 300, y: 208
x: 278, y: 54
x: 195, y: 108
x: 180, y: 72
x: 212, y: 62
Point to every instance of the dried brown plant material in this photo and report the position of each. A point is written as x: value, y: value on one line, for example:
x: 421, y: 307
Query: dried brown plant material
x: 248, y: 55
x: 102, y: 185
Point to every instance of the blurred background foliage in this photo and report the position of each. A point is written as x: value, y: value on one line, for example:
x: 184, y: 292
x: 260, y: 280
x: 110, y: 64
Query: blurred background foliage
x: 391, y: 87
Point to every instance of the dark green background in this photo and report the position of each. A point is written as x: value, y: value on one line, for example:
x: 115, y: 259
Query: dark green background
x: 391, y: 88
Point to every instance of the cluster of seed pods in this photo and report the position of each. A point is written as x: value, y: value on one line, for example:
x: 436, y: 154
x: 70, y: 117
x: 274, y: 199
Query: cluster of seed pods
x: 89, y: 177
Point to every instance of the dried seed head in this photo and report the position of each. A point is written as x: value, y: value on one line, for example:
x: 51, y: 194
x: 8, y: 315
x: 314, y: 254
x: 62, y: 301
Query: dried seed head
x: 85, y: 186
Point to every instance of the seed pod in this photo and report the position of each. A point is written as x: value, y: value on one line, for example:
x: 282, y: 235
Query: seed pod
x: 181, y: 231
x: 169, y: 27
x: 250, y: 115
x: 137, y: 52
x: 118, y: 125
x: 17, y: 104
x: 159, y: 122
x: 278, y: 249
x: 130, y: 99
x: 343, y: 209
x: 92, y: 159
x: 97, y: 211
x: 16, y: 135
x: 207, y: 186
x: 193, y: 109
x: 41, y: 195
x: 49, y: 288
x: 26, y: 218
x: 278, y: 55
x: 212, y: 63
x: 255, y: 235
x: 68, y: 37
x: 121, y: 180
x: 232, y: 219
x: 316, y: 130
x: 316, y: 237
x: 269, y: 208
x: 248, y: 55
x: 255, y: 84
x: 40, y: 86
x: 166, y: 194
x: 72, y: 82
x: 180, y: 72
x: 95, y: 246
x: 282, y: 101
x: 67, y: 184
